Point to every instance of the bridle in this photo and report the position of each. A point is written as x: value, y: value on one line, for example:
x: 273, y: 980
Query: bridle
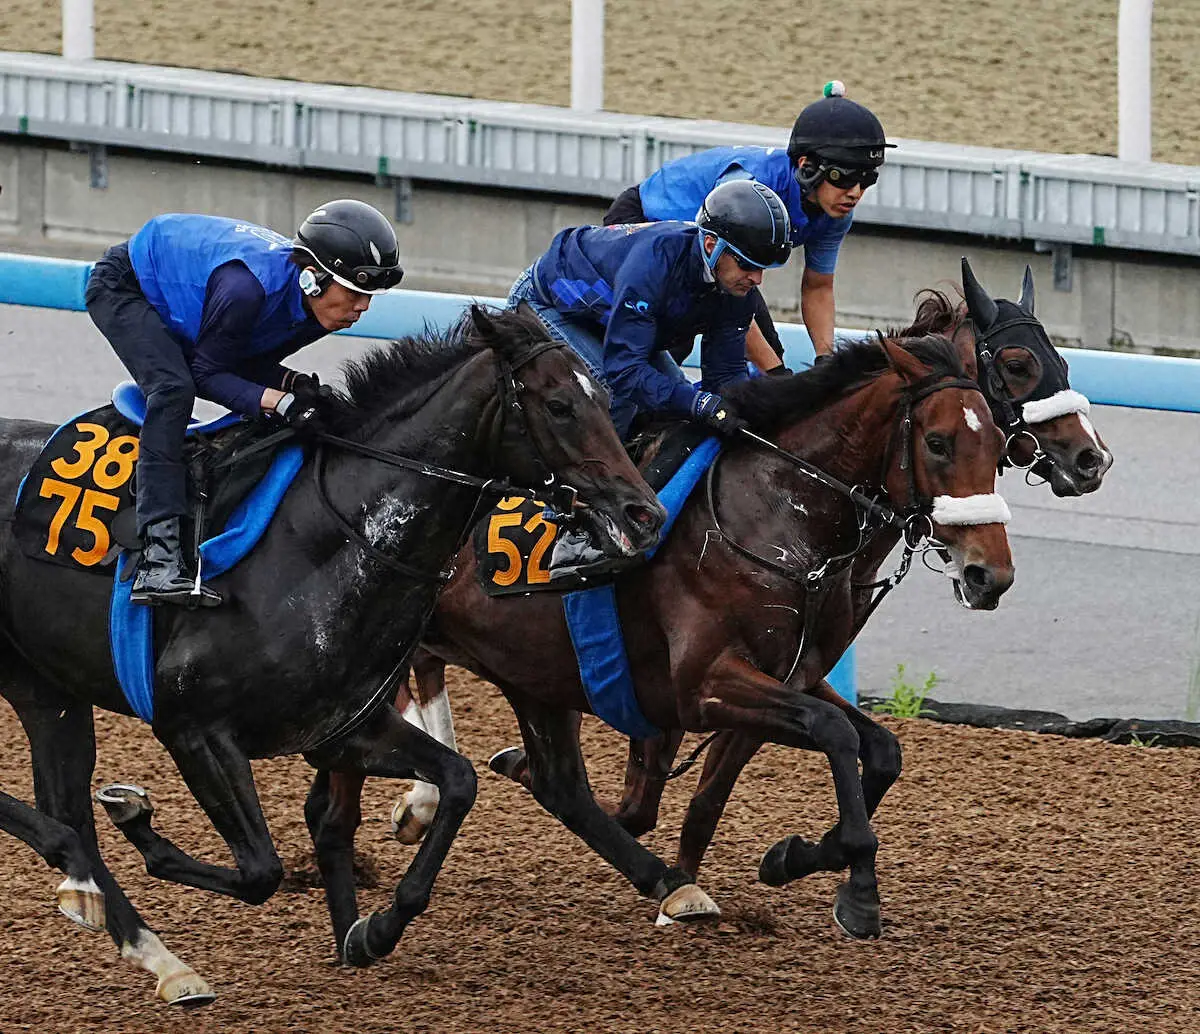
x: 1007, y: 411
x: 914, y: 520
x: 510, y: 423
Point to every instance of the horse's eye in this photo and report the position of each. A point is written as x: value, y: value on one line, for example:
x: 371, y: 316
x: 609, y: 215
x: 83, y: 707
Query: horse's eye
x: 937, y: 444
x: 558, y: 407
x: 1016, y: 368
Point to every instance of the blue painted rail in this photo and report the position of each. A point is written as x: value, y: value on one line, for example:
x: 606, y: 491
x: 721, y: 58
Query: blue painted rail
x: 1109, y: 378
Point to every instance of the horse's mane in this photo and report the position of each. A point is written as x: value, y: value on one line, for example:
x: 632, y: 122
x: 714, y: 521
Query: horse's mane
x: 936, y: 314
x: 769, y: 402
x: 399, y: 376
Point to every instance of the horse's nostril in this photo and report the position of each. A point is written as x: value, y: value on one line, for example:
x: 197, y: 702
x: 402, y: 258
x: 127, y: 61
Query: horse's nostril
x: 640, y: 515
x: 1088, y: 461
x: 977, y: 576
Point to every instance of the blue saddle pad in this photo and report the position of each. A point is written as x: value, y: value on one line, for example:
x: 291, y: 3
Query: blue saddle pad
x: 595, y: 626
x: 131, y: 404
x: 131, y: 625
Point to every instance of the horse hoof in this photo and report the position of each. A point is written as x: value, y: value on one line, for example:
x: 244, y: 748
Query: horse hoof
x: 508, y: 763
x: 355, y: 951
x: 186, y: 989
x: 856, y: 918
x: 82, y: 902
x: 124, y: 802
x: 686, y: 904
x: 406, y: 827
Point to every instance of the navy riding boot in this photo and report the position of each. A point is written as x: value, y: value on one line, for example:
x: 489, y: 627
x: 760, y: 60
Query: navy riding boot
x: 162, y: 575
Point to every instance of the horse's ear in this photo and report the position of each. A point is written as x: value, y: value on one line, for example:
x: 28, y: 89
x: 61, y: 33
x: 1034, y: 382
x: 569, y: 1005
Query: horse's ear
x: 483, y: 322
x: 1026, y: 300
x: 983, y: 310
x: 907, y: 365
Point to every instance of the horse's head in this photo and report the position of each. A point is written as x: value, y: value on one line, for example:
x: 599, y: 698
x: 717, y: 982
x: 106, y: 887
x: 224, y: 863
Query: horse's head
x: 1025, y: 381
x: 942, y: 470
x: 554, y: 430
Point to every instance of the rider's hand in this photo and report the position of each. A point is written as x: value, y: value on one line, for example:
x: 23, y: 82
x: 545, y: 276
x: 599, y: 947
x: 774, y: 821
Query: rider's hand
x: 307, y: 388
x: 713, y: 411
x: 300, y: 415
x: 822, y: 357
x: 778, y: 371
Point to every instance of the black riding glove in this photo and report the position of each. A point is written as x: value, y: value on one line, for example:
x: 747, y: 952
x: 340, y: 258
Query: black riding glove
x: 307, y: 388
x: 713, y: 411
x: 822, y: 357
x: 300, y: 415
x: 778, y: 371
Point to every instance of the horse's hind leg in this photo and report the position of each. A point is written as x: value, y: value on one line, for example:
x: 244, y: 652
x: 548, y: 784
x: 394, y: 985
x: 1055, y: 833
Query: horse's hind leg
x: 794, y: 857
x: 62, y: 742
x: 387, y: 745
x: 79, y: 897
x: 559, y: 782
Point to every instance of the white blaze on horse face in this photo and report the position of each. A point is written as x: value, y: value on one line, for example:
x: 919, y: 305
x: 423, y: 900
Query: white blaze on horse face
x: 973, y: 421
x: 588, y: 385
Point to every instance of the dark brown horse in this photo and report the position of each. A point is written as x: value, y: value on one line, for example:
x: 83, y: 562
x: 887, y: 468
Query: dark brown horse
x: 1024, y: 381
x: 715, y: 628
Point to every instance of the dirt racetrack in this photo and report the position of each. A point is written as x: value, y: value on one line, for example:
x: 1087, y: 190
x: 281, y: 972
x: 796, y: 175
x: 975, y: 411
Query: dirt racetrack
x: 1002, y: 73
x: 1030, y: 884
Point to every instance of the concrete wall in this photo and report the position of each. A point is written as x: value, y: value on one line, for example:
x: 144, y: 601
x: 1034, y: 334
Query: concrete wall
x: 472, y: 240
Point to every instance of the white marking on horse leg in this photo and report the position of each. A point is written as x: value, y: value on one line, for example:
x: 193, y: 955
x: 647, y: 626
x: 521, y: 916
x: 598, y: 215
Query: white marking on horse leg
x: 414, y: 714
x: 177, y: 981
x: 973, y: 421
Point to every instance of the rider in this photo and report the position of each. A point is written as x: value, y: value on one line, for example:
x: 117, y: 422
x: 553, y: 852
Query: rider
x: 621, y: 295
x: 197, y: 305
x: 833, y: 156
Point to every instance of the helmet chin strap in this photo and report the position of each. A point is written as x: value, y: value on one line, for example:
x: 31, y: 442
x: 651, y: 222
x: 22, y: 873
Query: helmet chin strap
x: 710, y: 260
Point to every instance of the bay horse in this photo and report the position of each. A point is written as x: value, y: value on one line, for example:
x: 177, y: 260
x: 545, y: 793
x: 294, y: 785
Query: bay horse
x: 719, y: 628
x: 318, y: 621
x: 1016, y: 365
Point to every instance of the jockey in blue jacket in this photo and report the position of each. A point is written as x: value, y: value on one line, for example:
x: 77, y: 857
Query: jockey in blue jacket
x: 622, y: 295
x: 197, y: 305
x: 832, y: 157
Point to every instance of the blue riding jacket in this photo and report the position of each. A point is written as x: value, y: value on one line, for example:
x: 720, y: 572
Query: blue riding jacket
x: 228, y: 292
x: 647, y: 286
x: 677, y: 190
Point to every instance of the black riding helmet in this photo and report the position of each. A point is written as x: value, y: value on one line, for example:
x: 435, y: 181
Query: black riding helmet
x: 835, y: 131
x: 749, y: 219
x: 352, y: 243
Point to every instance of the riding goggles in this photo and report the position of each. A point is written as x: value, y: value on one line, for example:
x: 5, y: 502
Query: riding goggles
x: 371, y: 279
x: 848, y: 178
x: 779, y: 255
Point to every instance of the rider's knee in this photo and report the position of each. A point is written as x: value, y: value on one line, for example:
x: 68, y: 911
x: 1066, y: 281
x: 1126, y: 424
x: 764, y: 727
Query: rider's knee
x: 174, y: 398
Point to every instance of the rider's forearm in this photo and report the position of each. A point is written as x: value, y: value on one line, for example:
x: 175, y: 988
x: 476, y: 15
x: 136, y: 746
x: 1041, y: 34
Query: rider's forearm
x: 817, y: 309
x: 758, y: 351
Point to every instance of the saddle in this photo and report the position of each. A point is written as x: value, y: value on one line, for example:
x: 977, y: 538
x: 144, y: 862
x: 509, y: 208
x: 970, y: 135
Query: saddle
x: 76, y: 505
x: 516, y: 541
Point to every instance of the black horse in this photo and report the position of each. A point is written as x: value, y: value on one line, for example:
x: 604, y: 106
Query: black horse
x: 318, y: 620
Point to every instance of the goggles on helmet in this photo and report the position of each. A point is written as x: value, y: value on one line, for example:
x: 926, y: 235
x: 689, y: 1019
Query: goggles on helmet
x: 848, y: 178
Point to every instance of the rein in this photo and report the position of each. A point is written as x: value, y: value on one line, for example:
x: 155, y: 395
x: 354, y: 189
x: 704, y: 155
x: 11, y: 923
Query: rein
x: 914, y: 521
x: 564, y: 497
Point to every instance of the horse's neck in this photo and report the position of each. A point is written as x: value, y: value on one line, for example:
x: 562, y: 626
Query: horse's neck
x: 850, y: 437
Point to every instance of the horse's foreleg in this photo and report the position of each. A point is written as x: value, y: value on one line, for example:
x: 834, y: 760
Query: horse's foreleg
x: 879, y: 751
x: 558, y: 779
x: 728, y: 754
x: 387, y: 745
x: 428, y: 710
x: 333, y: 814
x: 735, y: 695
x: 218, y: 774
x: 63, y: 747
x: 645, y: 779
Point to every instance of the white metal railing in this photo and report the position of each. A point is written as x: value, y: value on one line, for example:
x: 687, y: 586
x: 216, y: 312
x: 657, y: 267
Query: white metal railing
x: 1071, y: 199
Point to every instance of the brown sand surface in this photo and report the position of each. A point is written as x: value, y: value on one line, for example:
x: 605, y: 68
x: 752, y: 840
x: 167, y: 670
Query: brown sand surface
x: 1003, y: 73
x: 1030, y: 884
